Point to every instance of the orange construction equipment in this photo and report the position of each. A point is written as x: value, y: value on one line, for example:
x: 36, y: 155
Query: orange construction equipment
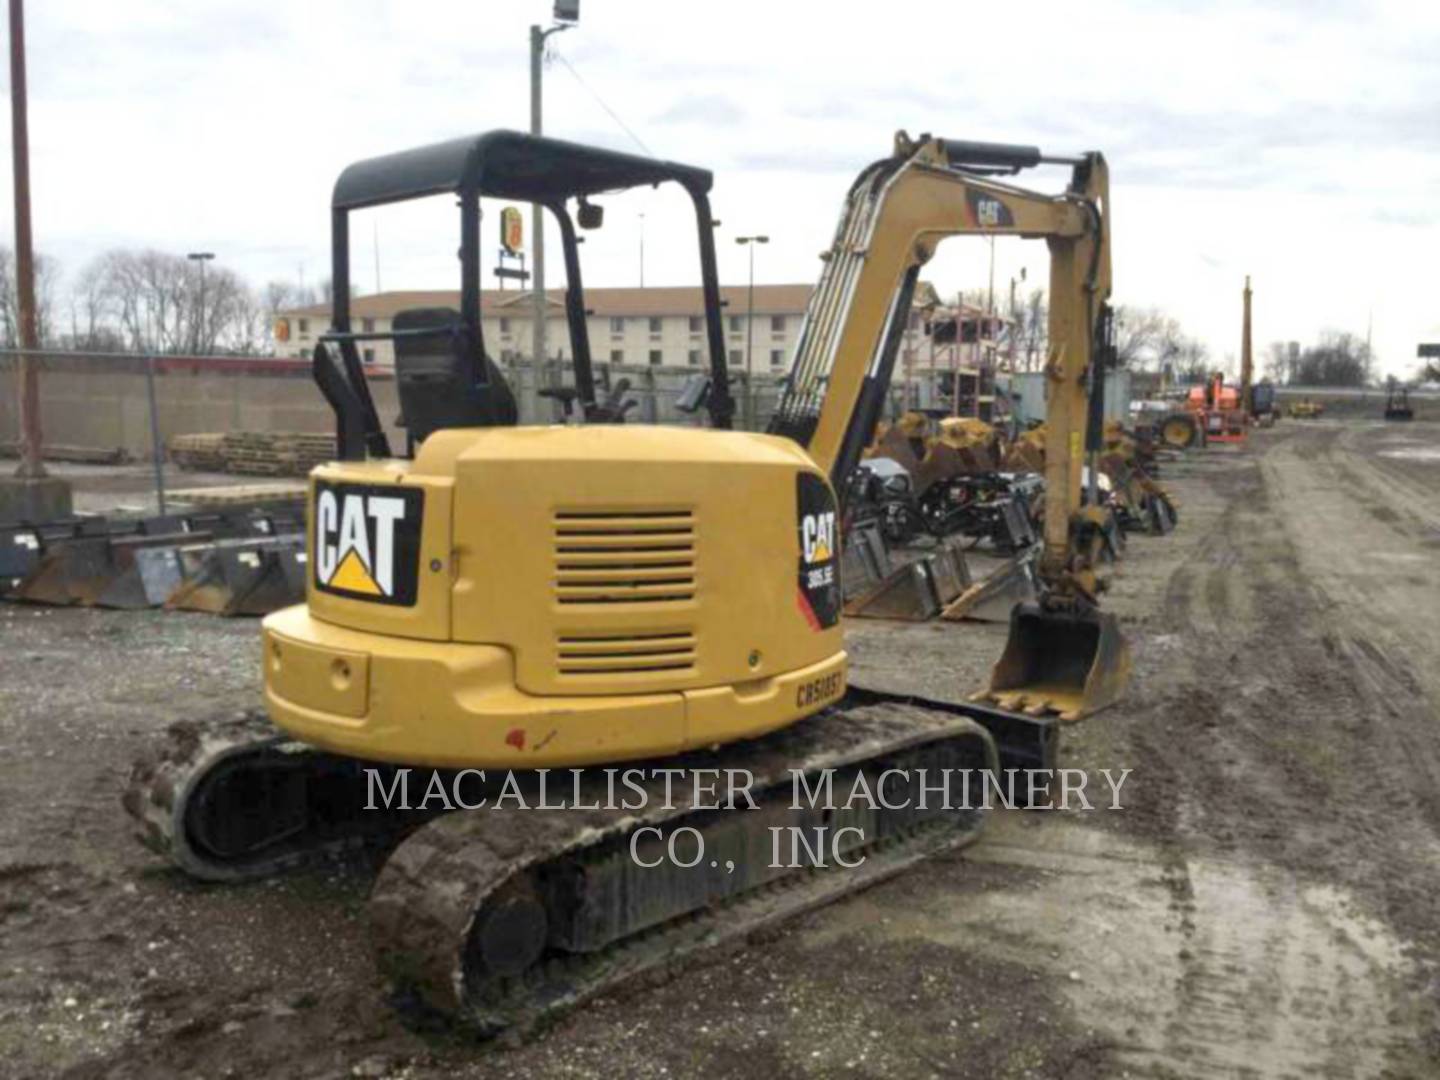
x: 1218, y: 410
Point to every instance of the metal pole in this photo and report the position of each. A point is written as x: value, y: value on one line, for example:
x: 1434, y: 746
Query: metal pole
x: 749, y: 342
x: 537, y: 240
x: 157, y: 448
x: 32, y: 465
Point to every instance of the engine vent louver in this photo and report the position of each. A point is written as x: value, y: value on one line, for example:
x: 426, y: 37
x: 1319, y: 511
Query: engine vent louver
x: 630, y: 654
x: 624, y: 557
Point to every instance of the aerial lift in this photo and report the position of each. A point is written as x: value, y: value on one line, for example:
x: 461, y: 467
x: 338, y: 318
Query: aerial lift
x: 515, y: 599
x: 1397, y: 400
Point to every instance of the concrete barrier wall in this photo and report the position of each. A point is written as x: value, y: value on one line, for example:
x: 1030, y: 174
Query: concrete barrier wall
x: 101, y: 401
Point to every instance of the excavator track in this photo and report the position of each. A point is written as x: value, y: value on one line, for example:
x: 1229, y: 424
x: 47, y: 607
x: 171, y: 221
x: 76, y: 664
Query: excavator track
x: 504, y: 917
x: 231, y: 798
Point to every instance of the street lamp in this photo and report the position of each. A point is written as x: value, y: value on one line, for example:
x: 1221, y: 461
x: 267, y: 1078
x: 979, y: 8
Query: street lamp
x: 201, y: 257
x: 750, y: 242
x: 566, y: 14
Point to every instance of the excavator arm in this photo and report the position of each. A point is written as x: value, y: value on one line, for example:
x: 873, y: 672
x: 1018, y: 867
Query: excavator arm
x: 895, y: 215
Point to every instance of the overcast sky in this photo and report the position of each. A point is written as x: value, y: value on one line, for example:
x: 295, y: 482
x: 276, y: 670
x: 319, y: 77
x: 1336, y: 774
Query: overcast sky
x: 1295, y: 141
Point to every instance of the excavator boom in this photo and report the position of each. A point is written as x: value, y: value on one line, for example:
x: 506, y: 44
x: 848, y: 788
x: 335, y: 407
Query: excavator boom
x: 1063, y: 655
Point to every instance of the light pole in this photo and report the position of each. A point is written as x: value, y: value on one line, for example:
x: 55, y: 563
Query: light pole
x: 750, y: 242
x: 566, y: 14
x: 201, y: 257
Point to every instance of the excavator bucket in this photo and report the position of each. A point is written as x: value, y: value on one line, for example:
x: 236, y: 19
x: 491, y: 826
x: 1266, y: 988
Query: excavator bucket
x: 1067, y: 663
x: 994, y: 597
x: 864, y: 559
x: 249, y: 577
x: 918, y: 590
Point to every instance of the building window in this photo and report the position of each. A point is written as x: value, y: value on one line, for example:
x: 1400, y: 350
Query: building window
x: 777, y: 324
x: 696, y: 324
x: 617, y: 356
x: 304, y: 326
x: 777, y: 358
x: 735, y: 357
x: 654, y: 357
x: 617, y: 326
x: 693, y: 358
x: 654, y: 324
x: 367, y: 326
x: 504, y: 325
x: 368, y: 356
x: 735, y: 324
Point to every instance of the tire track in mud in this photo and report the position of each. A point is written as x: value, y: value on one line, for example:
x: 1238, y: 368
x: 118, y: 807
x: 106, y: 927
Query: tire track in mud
x: 1269, y: 743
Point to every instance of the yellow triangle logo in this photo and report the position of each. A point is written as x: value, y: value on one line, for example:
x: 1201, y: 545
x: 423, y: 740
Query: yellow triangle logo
x: 352, y: 576
x: 821, y: 553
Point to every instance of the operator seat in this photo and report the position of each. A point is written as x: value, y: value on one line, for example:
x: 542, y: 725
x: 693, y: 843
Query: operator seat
x: 435, y: 387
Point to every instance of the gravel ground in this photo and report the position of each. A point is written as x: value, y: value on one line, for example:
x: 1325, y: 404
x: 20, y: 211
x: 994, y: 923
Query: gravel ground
x: 1263, y: 906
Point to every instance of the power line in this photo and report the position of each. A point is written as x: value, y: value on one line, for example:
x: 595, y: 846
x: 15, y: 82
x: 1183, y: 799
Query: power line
x: 601, y: 102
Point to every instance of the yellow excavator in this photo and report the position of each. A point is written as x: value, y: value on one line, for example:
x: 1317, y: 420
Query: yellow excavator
x: 495, y: 606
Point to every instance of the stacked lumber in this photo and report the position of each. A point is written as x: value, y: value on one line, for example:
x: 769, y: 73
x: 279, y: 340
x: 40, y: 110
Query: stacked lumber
x: 198, y: 453
x: 253, y: 453
x: 276, y: 453
x: 212, y: 498
x: 79, y: 455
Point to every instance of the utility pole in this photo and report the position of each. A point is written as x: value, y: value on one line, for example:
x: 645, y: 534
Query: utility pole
x: 32, y: 494
x: 32, y: 462
x: 566, y: 14
x: 1247, y: 361
x: 750, y: 242
x: 201, y: 257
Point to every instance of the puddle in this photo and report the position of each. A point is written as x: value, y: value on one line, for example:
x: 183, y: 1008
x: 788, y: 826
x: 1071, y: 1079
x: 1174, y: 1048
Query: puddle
x: 1206, y: 968
x: 1428, y: 454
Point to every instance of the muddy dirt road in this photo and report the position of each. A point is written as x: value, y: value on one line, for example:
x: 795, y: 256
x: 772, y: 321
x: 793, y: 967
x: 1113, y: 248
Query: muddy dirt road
x: 1263, y: 906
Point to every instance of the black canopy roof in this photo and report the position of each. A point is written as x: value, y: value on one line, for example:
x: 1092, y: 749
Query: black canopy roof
x: 506, y: 165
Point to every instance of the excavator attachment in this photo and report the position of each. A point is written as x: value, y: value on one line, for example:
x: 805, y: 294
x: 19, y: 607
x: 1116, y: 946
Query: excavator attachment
x: 917, y: 591
x: 1070, y: 663
x: 994, y: 597
x: 251, y: 577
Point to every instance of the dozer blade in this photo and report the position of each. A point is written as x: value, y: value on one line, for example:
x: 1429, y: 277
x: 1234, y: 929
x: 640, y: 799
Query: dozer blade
x: 1068, y: 663
x: 994, y: 597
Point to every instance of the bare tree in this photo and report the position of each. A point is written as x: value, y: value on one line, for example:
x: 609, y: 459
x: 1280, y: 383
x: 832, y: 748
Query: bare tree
x: 1145, y: 336
x: 47, y: 288
x: 153, y: 301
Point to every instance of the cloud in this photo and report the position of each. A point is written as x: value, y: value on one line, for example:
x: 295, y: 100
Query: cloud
x: 705, y: 110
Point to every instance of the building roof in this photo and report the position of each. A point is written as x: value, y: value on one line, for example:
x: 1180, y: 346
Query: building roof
x: 603, y: 302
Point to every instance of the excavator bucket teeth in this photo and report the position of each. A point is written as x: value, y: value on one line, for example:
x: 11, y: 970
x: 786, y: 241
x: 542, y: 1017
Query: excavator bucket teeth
x: 994, y: 597
x: 1067, y: 663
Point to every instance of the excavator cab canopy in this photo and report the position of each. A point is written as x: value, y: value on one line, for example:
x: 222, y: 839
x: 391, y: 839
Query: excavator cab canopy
x: 444, y: 375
